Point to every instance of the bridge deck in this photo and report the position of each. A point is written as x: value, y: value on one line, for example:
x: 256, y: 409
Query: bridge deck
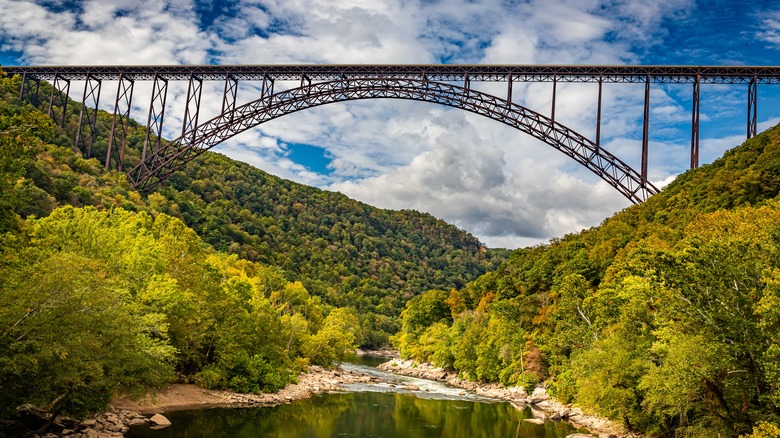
x: 442, y: 73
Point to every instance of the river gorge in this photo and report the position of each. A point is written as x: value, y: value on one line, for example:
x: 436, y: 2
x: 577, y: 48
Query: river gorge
x: 388, y: 406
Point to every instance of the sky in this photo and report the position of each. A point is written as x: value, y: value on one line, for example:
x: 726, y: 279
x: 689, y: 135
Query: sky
x: 501, y: 185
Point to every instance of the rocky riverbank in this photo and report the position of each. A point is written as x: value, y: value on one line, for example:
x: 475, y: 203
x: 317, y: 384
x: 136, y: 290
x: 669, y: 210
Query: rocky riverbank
x: 545, y: 406
x: 125, y: 412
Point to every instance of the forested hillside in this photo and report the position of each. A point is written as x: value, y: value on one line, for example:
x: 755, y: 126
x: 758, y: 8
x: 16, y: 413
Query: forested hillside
x: 100, y: 292
x: 346, y: 252
x: 225, y: 276
x: 666, y: 317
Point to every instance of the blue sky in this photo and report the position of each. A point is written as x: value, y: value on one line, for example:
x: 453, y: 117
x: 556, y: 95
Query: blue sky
x: 504, y: 187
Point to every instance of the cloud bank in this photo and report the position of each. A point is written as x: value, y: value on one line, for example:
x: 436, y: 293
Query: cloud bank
x: 501, y: 185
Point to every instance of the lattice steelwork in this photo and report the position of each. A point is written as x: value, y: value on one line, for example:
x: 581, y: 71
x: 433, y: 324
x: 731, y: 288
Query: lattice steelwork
x: 59, y: 94
x: 230, y: 94
x: 89, y: 114
x: 428, y: 77
x: 155, y: 121
x: 117, y: 139
x: 180, y: 151
x: 30, y: 86
x: 752, y: 123
x: 440, y: 73
x: 192, y: 107
x: 695, y: 124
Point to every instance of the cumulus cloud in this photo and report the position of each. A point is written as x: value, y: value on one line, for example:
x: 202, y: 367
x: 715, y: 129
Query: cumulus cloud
x: 503, y: 186
x: 474, y: 186
x: 103, y: 32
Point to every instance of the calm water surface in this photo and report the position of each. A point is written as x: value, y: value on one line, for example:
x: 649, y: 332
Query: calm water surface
x: 384, y: 410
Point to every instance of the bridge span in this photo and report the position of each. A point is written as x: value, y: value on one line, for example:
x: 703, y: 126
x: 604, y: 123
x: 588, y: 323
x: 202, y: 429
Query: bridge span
x: 449, y: 85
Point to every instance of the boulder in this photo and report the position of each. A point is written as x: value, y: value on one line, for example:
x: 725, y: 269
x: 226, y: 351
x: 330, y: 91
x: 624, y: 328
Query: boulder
x: 160, y: 421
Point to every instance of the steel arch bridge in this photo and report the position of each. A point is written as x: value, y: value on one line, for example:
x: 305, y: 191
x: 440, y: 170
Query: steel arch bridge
x: 176, y: 154
x: 324, y: 84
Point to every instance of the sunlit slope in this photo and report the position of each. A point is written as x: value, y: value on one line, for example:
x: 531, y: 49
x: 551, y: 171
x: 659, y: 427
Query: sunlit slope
x: 665, y: 318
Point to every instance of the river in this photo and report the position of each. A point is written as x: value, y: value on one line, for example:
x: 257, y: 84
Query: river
x: 393, y: 408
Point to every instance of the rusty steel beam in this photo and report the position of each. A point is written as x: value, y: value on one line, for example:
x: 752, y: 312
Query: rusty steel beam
x: 752, y: 110
x: 554, y: 92
x: 267, y: 88
x: 192, y: 106
x: 88, y: 113
x: 598, y: 116
x: 695, y: 124
x: 154, y: 124
x: 441, y: 73
x: 122, y: 106
x: 174, y: 155
x: 59, y: 93
x: 509, y: 89
x: 646, y: 130
x: 230, y: 93
x: 26, y: 89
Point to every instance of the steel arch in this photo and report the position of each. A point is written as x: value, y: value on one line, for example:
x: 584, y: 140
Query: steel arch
x: 174, y: 155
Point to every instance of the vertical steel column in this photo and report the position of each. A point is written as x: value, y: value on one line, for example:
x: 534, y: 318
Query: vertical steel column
x: 307, y: 80
x: 598, y: 116
x: 509, y: 90
x: 21, y: 87
x: 156, y: 115
x: 229, y: 96
x: 467, y: 84
x: 25, y: 89
x: 124, y: 96
x: 555, y: 86
x: 88, y: 112
x: 752, y: 125
x: 192, y: 108
x: 268, y: 86
x: 61, y: 95
x: 35, y: 98
x: 646, y: 129
x: 695, y: 123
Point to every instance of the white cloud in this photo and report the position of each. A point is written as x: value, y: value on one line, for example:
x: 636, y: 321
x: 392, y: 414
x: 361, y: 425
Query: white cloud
x: 487, y: 178
x: 146, y: 32
x: 770, y: 32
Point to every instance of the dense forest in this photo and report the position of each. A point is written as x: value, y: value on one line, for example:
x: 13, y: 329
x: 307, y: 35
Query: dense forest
x: 666, y: 317
x: 343, y: 251
x: 225, y: 276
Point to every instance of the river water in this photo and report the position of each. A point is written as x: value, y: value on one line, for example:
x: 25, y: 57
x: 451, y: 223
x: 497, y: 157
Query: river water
x: 385, y: 410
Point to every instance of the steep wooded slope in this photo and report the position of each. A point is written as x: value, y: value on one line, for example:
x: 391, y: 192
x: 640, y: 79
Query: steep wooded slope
x: 666, y: 317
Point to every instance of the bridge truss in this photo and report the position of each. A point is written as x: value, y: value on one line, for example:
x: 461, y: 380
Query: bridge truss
x: 448, y: 85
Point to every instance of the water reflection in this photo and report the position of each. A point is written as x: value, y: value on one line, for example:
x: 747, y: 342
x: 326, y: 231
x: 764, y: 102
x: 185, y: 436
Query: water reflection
x: 362, y: 414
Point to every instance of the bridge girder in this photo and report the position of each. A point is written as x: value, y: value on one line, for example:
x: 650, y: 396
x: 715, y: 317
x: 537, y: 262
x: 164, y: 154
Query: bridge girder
x: 174, y: 155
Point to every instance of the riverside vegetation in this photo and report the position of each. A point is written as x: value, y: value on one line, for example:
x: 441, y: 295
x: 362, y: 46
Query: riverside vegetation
x: 227, y: 276
x: 665, y: 318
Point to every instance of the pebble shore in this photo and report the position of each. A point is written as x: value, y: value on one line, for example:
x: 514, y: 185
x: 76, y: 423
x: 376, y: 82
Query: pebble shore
x: 125, y: 412
x: 543, y: 406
